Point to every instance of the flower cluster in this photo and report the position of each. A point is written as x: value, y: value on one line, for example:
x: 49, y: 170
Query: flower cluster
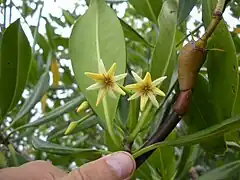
x: 106, y: 82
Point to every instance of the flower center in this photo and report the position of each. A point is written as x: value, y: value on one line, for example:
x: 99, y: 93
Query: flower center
x: 108, y: 81
x: 146, y: 88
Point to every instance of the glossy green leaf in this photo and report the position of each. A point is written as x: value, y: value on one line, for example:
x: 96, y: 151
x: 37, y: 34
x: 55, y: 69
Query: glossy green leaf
x: 221, y: 66
x: 163, y: 159
x: 97, y: 34
x: 229, y: 125
x: 68, y: 17
x: 184, y: 9
x: 39, y: 90
x: 148, y: 8
x: 133, y: 35
x: 69, y: 106
x: 201, y: 114
x: 50, y: 34
x: 15, y: 60
x: 166, y: 39
x: 109, y: 142
x: 227, y: 171
x: 48, y: 147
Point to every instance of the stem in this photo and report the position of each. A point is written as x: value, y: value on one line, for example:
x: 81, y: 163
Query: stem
x: 217, y: 16
x: 193, y: 32
x: 85, y: 117
x: 220, y: 6
x: 36, y: 30
x: 5, y: 14
x: 132, y: 116
x: 10, y: 13
x: 140, y: 123
x: 109, y: 123
x: 161, y: 134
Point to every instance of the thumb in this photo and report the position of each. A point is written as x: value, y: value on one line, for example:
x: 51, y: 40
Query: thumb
x: 116, y: 166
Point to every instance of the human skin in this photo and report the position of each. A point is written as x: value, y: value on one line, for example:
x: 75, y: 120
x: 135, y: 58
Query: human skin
x: 116, y: 166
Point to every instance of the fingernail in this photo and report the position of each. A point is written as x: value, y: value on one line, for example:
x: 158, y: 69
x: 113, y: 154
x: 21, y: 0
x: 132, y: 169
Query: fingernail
x: 121, y: 163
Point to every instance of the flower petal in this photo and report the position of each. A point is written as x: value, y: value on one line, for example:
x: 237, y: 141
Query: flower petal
x: 134, y: 96
x: 133, y: 87
x: 158, y: 81
x: 147, y: 79
x: 119, y: 77
x: 158, y: 91
x: 95, y: 76
x: 153, y: 99
x: 97, y: 85
x: 101, y: 67
x: 117, y: 89
x: 101, y: 94
x: 143, y: 102
x: 112, y: 70
x: 111, y: 94
x: 136, y: 77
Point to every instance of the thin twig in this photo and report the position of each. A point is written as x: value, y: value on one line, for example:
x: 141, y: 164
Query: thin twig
x: 193, y: 32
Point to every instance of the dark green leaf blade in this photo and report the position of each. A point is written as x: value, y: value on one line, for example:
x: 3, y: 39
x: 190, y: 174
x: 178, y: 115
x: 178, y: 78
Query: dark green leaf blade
x: 15, y: 63
x: 165, y: 44
x: 148, y: 8
x: 63, y: 150
x: 69, y: 106
x: 39, y: 90
x: 221, y: 66
x: 226, y: 171
x: 201, y: 114
x: 185, y: 7
x: 132, y: 34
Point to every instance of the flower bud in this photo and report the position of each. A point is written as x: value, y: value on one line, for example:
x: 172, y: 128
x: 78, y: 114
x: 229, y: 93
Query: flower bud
x: 83, y: 106
x: 71, y: 127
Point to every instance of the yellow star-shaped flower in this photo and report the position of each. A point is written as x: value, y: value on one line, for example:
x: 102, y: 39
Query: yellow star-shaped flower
x: 105, y: 81
x: 146, y: 89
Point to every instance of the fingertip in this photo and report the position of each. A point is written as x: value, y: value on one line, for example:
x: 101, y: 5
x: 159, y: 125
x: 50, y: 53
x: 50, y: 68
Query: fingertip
x: 122, y: 163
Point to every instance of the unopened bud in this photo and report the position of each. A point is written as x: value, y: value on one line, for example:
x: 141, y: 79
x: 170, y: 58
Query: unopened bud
x: 83, y: 106
x: 71, y: 127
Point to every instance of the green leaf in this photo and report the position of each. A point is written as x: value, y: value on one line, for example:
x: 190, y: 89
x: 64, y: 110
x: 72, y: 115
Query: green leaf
x: 133, y: 35
x: 222, y: 67
x: 148, y: 8
x: 63, y: 150
x: 184, y: 9
x: 39, y: 90
x: 69, y: 106
x: 166, y: 40
x: 42, y: 42
x: 227, y: 171
x: 109, y: 142
x: 164, y: 159
x: 3, y: 160
x: 68, y: 17
x: 61, y: 41
x: 97, y: 34
x: 201, y: 114
x: 50, y: 34
x: 229, y: 125
x: 15, y: 60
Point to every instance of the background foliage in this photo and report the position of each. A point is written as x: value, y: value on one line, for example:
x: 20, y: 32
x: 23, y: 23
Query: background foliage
x: 39, y: 91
